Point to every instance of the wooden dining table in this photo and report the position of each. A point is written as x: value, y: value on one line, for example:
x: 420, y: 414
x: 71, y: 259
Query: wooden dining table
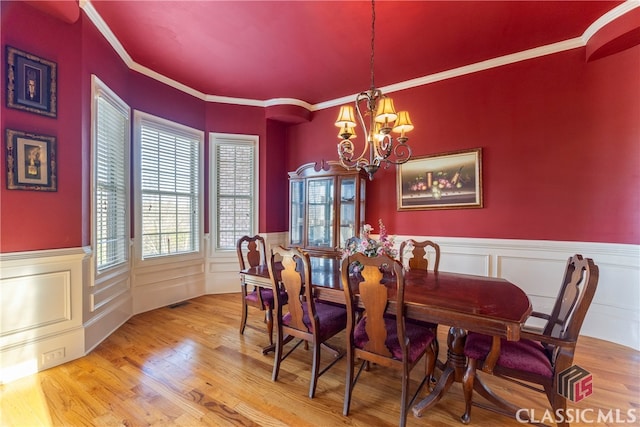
x: 487, y: 305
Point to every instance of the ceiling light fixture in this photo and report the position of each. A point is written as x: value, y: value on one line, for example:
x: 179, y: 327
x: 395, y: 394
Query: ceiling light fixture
x: 379, y: 146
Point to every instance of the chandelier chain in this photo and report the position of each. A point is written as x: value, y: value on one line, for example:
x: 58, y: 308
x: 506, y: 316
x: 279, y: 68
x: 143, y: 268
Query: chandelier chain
x: 373, y: 37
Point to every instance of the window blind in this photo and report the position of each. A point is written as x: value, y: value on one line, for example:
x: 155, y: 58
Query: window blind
x: 235, y: 192
x: 111, y: 172
x: 169, y: 172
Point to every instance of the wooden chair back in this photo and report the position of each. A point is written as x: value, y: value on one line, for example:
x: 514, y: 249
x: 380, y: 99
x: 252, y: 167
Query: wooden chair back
x: 295, y: 273
x: 416, y: 255
x: 574, y: 298
x: 372, y: 295
x: 251, y: 251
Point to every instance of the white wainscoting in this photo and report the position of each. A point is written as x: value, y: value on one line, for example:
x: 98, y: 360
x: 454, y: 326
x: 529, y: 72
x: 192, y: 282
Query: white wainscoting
x: 538, y: 268
x: 52, y: 312
x: 222, y: 266
x: 41, y: 310
x: 167, y: 280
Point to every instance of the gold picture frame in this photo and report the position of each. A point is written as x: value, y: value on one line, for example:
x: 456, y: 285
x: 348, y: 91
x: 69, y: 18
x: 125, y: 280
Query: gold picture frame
x: 450, y: 180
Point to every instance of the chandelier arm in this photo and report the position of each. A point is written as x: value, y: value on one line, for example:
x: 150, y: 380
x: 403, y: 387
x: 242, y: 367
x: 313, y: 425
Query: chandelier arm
x: 345, y: 153
x: 401, y: 152
x: 364, y: 96
x: 384, y: 147
x: 378, y: 148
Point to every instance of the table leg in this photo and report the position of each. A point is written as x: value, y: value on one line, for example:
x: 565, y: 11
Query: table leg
x: 453, y: 372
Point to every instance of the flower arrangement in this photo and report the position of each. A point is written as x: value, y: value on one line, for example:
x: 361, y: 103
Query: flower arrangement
x: 370, y: 246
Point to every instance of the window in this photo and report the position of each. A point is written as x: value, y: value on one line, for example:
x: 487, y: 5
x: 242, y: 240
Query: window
x: 235, y: 185
x: 169, y: 189
x: 110, y: 164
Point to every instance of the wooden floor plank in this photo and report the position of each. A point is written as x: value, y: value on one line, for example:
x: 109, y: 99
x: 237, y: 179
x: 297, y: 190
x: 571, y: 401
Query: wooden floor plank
x: 189, y: 366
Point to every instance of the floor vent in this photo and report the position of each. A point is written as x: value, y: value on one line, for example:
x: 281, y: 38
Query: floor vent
x: 178, y: 304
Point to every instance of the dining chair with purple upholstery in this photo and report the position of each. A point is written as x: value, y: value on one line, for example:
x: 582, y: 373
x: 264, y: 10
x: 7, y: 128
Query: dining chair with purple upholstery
x: 302, y: 317
x: 539, y: 357
x: 251, y: 252
x: 378, y: 337
x: 422, y: 255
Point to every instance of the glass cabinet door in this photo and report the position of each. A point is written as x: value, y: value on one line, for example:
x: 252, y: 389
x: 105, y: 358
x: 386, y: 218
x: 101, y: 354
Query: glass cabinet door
x: 320, y: 212
x: 326, y: 207
x: 296, y: 213
x: 347, y: 210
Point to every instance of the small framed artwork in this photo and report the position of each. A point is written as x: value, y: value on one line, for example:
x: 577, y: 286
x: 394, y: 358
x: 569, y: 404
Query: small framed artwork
x: 441, y: 181
x: 31, y: 161
x: 31, y: 83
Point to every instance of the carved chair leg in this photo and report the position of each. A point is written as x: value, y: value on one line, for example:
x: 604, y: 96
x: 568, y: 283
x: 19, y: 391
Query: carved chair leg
x: 558, y: 404
x: 315, y: 369
x: 278, y: 354
x: 243, y: 319
x: 440, y: 365
x: 269, y: 315
x: 431, y: 358
x: 467, y: 386
x: 348, y: 383
x: 405, y: 397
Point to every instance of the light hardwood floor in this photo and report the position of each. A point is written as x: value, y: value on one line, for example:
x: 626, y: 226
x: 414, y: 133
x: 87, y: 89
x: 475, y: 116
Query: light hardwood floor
x: 189, y: 366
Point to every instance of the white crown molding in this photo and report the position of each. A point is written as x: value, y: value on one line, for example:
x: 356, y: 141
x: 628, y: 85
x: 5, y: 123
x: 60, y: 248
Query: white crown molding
x: 537, y: 52
x: 166, y: 80
x: 288, y: 101
x: 104, y: 29
x: 467, y: 69
x: 236, y: 101
x: 608, y: 17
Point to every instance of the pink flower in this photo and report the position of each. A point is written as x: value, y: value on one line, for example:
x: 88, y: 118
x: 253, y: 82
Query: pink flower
x: 369, y: 246
x: 383, y: 230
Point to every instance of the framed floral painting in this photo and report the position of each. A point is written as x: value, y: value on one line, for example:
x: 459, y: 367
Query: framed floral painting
x: 441, y: 181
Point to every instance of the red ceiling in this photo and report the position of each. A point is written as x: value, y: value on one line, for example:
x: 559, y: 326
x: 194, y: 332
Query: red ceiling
x: 317, y: 51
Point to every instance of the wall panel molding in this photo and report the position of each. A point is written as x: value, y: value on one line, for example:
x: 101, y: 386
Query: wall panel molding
x: 537, y: 267
x: 166, y: 280
x: 41, y: 310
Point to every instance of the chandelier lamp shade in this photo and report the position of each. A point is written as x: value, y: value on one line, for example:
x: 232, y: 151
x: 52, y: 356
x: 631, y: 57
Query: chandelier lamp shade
x: 378, y: 118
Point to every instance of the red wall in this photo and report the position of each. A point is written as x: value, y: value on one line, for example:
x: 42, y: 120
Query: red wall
x: 561, y: 150
x: 560, y: 139
x: 32, y: 220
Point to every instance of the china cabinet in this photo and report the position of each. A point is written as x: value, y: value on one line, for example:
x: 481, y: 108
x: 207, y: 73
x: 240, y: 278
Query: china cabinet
x: 326, y: 207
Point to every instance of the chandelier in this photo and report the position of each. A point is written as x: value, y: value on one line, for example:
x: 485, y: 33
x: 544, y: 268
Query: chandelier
x: 381, y: 119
